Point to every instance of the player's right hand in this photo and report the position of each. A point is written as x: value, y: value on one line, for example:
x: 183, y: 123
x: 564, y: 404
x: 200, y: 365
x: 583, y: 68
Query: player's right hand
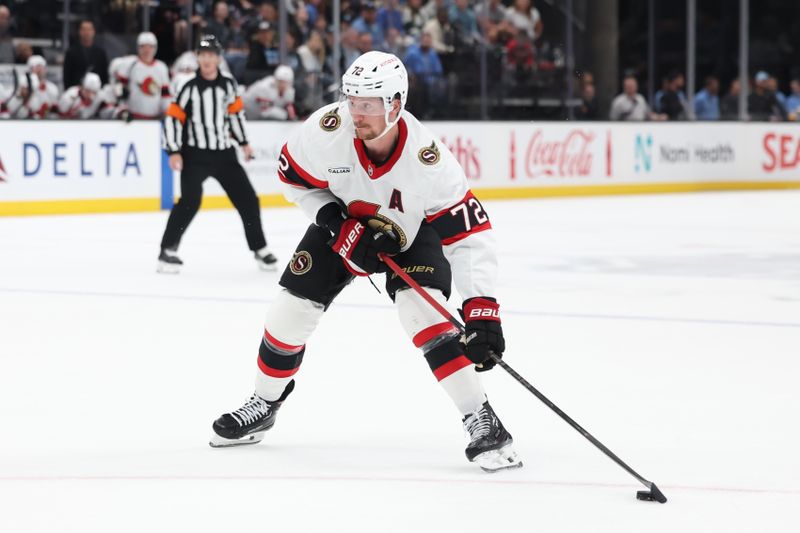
x: 356, y: 242
x: 176, y: 162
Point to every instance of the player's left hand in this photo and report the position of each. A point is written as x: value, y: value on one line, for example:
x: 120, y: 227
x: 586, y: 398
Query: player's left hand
x: 248, y: 152
x: 483, y: 332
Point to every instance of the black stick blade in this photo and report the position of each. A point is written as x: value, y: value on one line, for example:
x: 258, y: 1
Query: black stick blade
x: 652, y: 495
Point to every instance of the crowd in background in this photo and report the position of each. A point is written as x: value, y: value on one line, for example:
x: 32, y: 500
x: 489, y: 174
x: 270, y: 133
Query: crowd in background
x: 438, y: 41
x: 764, y: 101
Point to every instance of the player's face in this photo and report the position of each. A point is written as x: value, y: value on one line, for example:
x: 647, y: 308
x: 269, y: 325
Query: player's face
x: 369, y: 116
x: 87, y: 95
x: 147, y: 52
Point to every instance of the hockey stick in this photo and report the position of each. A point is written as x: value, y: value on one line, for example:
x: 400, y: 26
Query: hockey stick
x: 652, y: 494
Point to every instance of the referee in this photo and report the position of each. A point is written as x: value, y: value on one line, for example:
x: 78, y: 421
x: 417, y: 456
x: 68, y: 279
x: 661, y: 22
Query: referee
x: 198, y: 128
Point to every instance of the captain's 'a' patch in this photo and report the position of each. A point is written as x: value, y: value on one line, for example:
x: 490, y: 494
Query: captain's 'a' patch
x: 396, y: 201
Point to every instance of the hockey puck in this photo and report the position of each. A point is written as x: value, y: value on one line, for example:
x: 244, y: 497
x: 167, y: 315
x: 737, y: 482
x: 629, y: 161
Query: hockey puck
x: 645, y: 496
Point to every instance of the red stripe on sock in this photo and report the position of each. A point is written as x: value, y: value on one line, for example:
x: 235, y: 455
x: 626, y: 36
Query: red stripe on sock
x: 431, y: 332
x: 282, y: 345
x: 274, y: 372
x: 451, y: 367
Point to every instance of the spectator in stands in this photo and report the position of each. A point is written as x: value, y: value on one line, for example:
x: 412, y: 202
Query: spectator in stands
x: 423, y: 62
x: 523, y: 16
x: 390, y: 16
x: 659, y: 95
x: 706, y: 101
x: 365, y: 43
x: 264, y: 54
x: 6, y: 46
x: 315, y: 9
x: 85, y: 57
x: 23, y: 52
x: 772, y: 86
x: 267, y: 12
x: 350, y: 49
x: 729, y: 105
x: 413, y: 19
x: 793, y: 100
x: 630, y: 105
x: 394, y: 43
x: 762, y: 104
x: 218, y: 25
x: 368, y: 23
x: 271, y: 98
x: 673, y: 101
x: 588, y: 110
x: 491, y: 16
x: 312, y: 58
x: 441, y: 32
x: 302, y: 23
x: 520, y: 57
x: 464, y: 22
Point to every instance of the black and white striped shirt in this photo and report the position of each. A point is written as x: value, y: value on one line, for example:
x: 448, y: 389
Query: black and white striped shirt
x: 205, y: 115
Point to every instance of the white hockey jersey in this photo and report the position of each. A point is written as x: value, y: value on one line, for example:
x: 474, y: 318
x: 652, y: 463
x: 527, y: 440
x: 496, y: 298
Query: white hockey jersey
x: 34, y: 98
x: 262, y: 99
x: 71, y: 105
x: 147, y: 83
x: 421, y: 182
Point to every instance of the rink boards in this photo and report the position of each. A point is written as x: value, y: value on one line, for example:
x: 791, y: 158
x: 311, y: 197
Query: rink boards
x: 52, y: 167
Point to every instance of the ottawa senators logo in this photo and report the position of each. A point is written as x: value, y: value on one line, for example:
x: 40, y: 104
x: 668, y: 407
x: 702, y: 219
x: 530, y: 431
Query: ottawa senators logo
x: 330, y: 121
x: 149, y: 86
x: 382, y: 224
x: 429, y: 155
x: 300, y: 263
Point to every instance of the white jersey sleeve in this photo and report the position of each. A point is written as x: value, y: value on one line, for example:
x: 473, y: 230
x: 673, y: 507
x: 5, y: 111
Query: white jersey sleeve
x: 464, y: 227
x: 303, y: 183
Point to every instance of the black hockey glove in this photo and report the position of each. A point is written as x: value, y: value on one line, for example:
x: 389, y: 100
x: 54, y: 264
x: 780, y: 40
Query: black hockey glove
x: 356, y: 241
x: 483, y: 332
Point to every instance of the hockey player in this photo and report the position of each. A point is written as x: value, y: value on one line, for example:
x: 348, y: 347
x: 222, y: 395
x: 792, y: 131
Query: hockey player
x: 375, y: 181
x: 272, y: 97
x: 36, y: 96
x: 182, y: 70
x: 87, y: 100
x: 143, y: 80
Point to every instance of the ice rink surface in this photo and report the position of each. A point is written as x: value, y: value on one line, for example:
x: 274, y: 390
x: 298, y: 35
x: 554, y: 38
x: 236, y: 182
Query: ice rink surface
x: 668, y: 326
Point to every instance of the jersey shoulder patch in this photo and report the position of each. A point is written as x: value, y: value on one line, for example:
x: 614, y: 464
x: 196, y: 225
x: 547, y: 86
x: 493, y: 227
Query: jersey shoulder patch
x: 331, y: 120
x: 429, y: 155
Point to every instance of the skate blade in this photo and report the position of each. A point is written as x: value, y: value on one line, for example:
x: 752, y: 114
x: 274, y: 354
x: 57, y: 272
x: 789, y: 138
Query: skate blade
x: 263, y: 267
x: 168, y: 268
x: 221, y: 442
x: 496, y: 460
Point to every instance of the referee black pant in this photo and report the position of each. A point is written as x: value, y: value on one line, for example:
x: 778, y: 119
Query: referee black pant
x: 222, y: 165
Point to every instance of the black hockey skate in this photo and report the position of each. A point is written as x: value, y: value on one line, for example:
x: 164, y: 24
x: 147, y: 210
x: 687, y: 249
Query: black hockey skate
x: 169, y: 262
x: 249, y: 423
x: 266, y: 260
x: 491, y: 446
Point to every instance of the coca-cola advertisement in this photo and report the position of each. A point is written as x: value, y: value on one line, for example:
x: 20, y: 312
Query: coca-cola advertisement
x: 558, y: 152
